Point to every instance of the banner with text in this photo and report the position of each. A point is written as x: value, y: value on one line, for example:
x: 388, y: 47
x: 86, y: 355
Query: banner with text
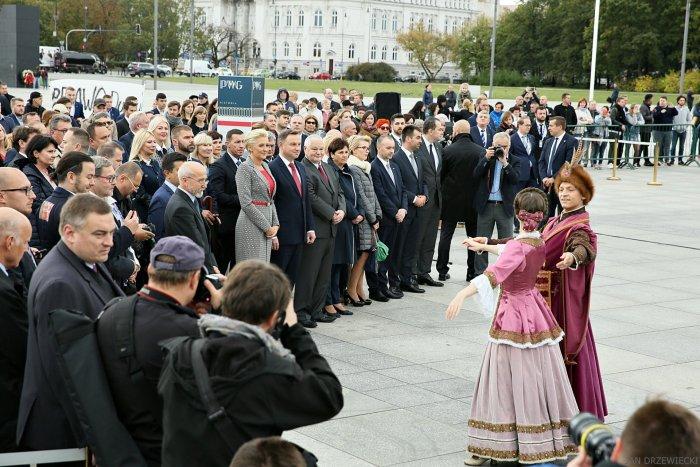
x: 241, y: 102
x: 89, y: 90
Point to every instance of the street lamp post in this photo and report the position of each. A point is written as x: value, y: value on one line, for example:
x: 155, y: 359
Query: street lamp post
x: 493, y: 48
x: 594, y: 51
x: 681, y: 82
x: 191, y: 40
x: 155, y: 44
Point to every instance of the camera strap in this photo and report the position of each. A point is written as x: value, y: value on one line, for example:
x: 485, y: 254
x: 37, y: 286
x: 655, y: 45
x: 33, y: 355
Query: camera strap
x: 216, y: 413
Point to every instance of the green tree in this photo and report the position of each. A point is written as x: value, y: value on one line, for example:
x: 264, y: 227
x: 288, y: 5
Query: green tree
x: 473, y: 47
x: 428, y: 48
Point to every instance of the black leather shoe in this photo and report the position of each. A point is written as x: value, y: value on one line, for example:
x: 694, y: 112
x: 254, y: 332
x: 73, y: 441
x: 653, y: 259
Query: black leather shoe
x: 325, y: 318
x: 427, y: 280
x: 308, y: 323
x: 340, y: 312
x: 378, y: 297
x: 443, y: 277
x: 648, y: 164
x: 412, y: 288
x: 357, y: 303
x: 366, y: 301
x: 394, y: 293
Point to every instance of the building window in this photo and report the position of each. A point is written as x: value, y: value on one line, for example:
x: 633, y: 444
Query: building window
x: 395, y: 54
x: 411, y: 23
x: 286, y: 49
x: 298, y: 49
x: 277, y: 18
x: 351, y: 51
x: 384, y: 22
x: 410, y: 56
x: 384, y: 53
x: 447, y: 24
x: 430, y: 24
x: 395, y: 23
x: 334, y: 19
x: 454, y: 25
x: 274, y: 50
x: 317, y: 50
x: 318, y: 18
x: 374, y: 20
x: 301, y: 17
x: 289, y: 18
x: 373, y: 52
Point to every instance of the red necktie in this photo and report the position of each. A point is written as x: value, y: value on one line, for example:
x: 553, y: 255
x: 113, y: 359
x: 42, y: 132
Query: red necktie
x: 323, y: 174
x: 295, y: 176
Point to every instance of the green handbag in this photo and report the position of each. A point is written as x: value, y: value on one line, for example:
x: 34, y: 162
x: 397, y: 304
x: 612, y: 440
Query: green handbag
x: 382, y: 251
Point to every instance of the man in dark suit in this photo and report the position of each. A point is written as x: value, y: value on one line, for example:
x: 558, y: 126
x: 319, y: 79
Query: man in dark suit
x: 458, y: 191
x: 328, y: 208
x: 159, y: 201
x: 17, y: 106
x: 539, y: 129
x: 416, y: 189
x: 15, y: 194
x: 522, y: 145
x: 557, y: 149
x: 293, y: 206
x: 5, y: 98
x: 482, y: 134
x: 430, y: 156
x: 222, y: 187
x: 76, y: 109
x: 393, y: 199
x: 497, y: 178
x: 566, y: 111
x: 183, y: 215
x: 15, y: 232
x: 75, y: 174
x: 129, y: 107
x: 47, y: 419
x: 160, y: 104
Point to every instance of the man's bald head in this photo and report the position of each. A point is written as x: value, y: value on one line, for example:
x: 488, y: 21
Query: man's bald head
x: 460, y: 127
x: 12, y: 180
x: 15, y: 232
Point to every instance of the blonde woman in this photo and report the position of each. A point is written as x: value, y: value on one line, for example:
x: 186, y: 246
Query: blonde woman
x: 198, y: 122
x: 257, y: 224
x: 367, y: 229
x: 160, y: 127
x: 203, y: 150
x: 187, y: 110
x: 344, y: 115
x: 143, y: 151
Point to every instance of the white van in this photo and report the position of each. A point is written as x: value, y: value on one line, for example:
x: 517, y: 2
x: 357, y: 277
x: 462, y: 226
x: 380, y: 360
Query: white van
x: 199, y: 68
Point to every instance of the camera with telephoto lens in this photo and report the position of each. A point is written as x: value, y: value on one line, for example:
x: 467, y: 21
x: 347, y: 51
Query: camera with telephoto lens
x: 498, y: 152
x: 202, y: 294
x: 593, y: 435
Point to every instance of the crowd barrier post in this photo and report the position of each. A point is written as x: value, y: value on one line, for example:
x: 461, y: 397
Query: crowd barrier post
x: 655, y: 169
x: 37, y: 458
x: 614, y: 176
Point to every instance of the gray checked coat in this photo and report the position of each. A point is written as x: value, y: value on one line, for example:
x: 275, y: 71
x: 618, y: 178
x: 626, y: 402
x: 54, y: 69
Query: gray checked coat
x: 370, y: 205
x: 254, y: 220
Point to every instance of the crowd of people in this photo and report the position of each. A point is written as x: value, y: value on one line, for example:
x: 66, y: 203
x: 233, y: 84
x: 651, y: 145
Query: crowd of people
x: 140, y: 214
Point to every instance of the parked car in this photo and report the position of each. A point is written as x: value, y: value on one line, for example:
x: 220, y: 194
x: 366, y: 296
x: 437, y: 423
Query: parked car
x: 261, y: 73
x: 69, y: 61
x: 141, y: 69
x: 288, y: 74
x: 199, y: 68
x: 165, y: 69
x: 407, y: 79
x: 320, y: 75
x: 223, y: 71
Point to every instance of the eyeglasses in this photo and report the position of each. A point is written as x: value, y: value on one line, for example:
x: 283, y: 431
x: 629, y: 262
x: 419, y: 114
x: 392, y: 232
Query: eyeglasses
x: 27, y: 190
x: 109, y: 179
x: 311, y: 122
x: 136, y: 187
x: 201, y: 181
x: 60, y: 131
x: 384, y: 127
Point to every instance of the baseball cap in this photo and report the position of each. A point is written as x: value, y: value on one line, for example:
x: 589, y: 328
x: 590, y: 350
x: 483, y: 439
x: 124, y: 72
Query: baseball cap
x: 203, y: 95
x: 99, y: 102
x: 187, y: 255
x: 60, y: 108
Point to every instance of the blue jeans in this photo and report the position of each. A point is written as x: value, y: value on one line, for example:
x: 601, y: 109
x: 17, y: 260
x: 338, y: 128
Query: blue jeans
x: 663, y: 139
x: 678, y: 138
x: 597, y: 152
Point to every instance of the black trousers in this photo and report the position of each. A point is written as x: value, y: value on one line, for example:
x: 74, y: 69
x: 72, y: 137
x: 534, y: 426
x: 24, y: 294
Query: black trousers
x: 446, y: 232
x: 288, y: 258
x: 553, y: 201
x: 644, y: 149
x: 223, y: 247
x: 387, y: 270
x: 313, y: 282
x: 428, y: 220
x: 406, y: 244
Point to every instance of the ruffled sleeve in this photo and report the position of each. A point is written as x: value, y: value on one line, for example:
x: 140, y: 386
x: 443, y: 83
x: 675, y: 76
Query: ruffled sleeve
x: 487, y: 295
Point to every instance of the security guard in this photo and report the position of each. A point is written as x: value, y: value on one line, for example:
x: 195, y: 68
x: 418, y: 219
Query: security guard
x: 129, y: 330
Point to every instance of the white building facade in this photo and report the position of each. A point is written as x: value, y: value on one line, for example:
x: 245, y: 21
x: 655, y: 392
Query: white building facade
x: 330, y: 35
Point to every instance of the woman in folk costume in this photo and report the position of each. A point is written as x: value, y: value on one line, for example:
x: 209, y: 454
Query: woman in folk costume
x: 565, y: 281
x: 522, y: 400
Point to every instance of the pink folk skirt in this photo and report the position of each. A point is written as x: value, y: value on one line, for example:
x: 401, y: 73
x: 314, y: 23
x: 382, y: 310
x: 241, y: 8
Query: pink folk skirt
x: 522, y: 406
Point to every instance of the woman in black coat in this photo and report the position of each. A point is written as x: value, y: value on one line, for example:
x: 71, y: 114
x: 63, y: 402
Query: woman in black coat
x: 41, y: 152
x: 344, y: 252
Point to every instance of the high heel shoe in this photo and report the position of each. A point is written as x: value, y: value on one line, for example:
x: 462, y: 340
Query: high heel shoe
x: 340, y: 311
x: 366, y: 301
x: 356, y: 303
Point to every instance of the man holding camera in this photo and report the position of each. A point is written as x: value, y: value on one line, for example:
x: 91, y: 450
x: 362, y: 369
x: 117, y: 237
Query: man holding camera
x: 130, y: 329
x: 253, y: 385
x: 497, y: 178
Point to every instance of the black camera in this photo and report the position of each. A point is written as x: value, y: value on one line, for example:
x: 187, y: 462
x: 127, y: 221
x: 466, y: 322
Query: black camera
x: 593, y: 435
x: 202, y: 294
x: 499, y: 152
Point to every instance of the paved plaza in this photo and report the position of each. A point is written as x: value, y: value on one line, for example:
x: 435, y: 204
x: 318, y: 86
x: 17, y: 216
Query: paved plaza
x: 408, y: 374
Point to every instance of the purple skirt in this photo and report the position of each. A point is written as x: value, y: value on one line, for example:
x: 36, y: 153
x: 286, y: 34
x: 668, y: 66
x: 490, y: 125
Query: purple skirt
x: 522, y: 406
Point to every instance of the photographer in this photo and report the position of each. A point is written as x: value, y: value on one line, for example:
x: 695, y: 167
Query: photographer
x: 255, y: 386
x: 659, y: 433
x: 497, y: 177
x: 129, y: 330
